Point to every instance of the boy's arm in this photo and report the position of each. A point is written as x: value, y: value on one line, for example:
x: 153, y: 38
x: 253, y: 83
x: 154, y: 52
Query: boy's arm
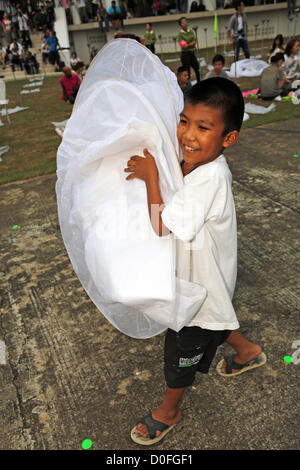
x: 146, y: 170
x: 193, y: 42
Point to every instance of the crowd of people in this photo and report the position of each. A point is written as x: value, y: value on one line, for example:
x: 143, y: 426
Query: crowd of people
x: 18, y: 19
x: 278, y: 79
x: 89, y: 9
x: 140, y: 8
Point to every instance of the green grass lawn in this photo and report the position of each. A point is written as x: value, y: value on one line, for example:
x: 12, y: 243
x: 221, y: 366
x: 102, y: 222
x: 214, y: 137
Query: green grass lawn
x: 32, y: 139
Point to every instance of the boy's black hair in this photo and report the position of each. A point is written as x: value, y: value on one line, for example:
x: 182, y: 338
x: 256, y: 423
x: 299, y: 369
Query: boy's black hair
x: 181, y: 69
x: 218, y: 58
x: 180, y: 19
x: 277, y: 57
x: 150, y: 24
x: 220, y: 93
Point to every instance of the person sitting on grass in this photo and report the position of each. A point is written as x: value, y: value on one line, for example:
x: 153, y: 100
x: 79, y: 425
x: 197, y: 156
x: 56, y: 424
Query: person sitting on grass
x: 278, y: 46
x: 201, y: 215
x: 290, y: 58
x: 183, y: 79
x: 218, y: 63
x: 273, y: 81
x: 74, y: 59
x: 70, y: 83
x: 79, y: 70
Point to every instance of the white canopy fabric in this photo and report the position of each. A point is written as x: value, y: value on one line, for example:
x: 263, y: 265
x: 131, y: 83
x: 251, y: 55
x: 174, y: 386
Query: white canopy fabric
x: 128, y: 101
x: 247, y: 68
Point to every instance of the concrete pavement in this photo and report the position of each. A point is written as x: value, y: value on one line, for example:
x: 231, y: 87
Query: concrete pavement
x: 69, y: 375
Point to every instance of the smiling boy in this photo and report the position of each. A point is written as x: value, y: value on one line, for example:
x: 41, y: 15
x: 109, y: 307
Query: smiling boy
x: 201, y: 215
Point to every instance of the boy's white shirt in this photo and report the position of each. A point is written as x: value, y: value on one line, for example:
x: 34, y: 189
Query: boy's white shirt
x: 202, y: 217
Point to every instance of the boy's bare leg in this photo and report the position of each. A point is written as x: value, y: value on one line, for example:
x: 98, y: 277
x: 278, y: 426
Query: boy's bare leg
x: 168, y: 411
x: 244, y: 348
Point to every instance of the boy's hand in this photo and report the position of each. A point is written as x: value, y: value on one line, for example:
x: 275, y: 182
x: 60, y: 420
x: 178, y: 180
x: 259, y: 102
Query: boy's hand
x: 142, y: 168
x: 145, y: 169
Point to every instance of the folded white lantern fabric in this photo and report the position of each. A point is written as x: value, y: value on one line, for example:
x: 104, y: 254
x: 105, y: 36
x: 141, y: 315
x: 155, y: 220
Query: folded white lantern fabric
x: 257, y: 109
x: 247, y: 68
x: 128, y: 101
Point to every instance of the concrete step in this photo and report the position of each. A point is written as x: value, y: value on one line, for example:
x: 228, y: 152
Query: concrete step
x: 47, y: 69
x: 8, y: 74
x: 22, y: 75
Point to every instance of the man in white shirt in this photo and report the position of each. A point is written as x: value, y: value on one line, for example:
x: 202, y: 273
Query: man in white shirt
x: 24, y: 29
x: 238, y: 24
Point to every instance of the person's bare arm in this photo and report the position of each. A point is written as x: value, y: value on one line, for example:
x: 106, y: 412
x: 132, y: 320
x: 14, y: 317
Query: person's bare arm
x: 280, y: 83
x: 284, y: 79
x: 229, y: 35
x: 146, y: 170
x: 189, y: 44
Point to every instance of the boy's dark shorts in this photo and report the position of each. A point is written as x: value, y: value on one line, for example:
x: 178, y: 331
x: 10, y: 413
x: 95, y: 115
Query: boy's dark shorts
x: 190, y: 350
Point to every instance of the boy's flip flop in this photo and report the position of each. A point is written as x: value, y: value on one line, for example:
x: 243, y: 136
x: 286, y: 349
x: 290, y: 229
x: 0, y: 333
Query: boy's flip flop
x: 231, y: 364
x: 152, y: 426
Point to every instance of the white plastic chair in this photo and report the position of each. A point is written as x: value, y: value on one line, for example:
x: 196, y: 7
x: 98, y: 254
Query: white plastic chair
x: 3, y: 100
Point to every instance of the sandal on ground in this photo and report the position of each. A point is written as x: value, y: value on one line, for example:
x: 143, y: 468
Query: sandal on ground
x: 231, y: 364
x: 152, y: 426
